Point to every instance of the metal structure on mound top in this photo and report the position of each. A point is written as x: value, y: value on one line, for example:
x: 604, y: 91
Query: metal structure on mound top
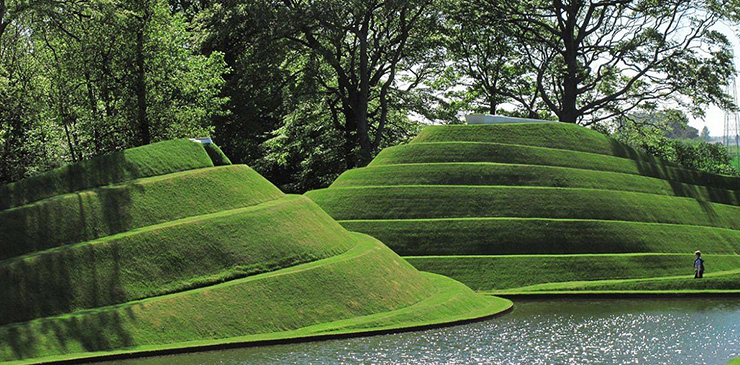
x: 731, y: 135
x: 500, y: 119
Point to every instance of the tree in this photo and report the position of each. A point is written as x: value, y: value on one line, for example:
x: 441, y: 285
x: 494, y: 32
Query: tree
x: 698, y: 155
x: 596, y: 60
x: 94, y: 76
x: 362, y: 48
x: 484, y: 58
x: 705, y: 134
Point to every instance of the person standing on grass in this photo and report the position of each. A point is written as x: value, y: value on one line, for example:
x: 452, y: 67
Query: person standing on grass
x: 698, y: 265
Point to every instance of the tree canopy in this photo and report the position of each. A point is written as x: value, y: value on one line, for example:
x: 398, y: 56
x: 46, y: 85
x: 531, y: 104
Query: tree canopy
x: 305, y: 89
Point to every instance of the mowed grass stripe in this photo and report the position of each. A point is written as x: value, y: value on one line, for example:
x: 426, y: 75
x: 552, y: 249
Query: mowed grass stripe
x: 104, y: 211
x: 365, y: 280
x: 564, y: 136
x: 722, y: 280
x: 418, y: 201
x: 441, y: 152
x: 485, y: 173
x: 489, y: 273
x: 154, y: 262
x: 145, y: 161
x: 506, y: 236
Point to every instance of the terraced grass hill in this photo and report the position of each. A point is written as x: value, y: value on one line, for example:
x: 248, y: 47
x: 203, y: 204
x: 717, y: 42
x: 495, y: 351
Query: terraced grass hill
x: 543, y: 208
x: 158, y: 248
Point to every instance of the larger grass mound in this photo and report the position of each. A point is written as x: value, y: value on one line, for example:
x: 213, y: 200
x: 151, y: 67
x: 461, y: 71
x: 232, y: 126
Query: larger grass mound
x: 157, y: 248
x: 544, y: 208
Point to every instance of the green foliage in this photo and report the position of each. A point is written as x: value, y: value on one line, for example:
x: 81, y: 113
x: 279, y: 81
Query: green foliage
x: 101, y: 74
x: 594, y: 61
x: 698, y: 155
x: 485, y: 59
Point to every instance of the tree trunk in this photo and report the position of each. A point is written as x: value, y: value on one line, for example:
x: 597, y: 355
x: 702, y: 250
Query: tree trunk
x: 144, y: 133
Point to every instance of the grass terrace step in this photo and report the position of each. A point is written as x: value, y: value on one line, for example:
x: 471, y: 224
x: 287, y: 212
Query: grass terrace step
x: 432, y: 201
x: 720, y: 281
x: 109, y: 210
x: 541, y: 189
x: 509, y: 236
x: 440, y: 152
x: 145, y: 161
x: 490, y: 273
x: 483, y: 173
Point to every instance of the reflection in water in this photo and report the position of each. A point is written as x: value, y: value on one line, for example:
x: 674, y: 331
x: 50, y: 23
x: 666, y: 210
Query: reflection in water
x: 671, y: 331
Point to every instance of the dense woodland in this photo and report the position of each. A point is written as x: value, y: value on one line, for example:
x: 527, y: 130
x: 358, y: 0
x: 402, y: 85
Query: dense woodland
x: 304, y: 89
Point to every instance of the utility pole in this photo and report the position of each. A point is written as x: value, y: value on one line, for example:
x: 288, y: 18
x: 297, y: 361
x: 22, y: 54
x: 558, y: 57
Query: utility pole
x: 732, y: 120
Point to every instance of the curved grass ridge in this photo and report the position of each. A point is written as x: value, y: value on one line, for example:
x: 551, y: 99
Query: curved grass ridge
x: 189, y: 256
x: 119, y: 208
x: 145, y: 161
x: 168, y: 258
x: 509, y: 236
x: 501, y: 174
x: 506, y: 208
x: 431, y: 201
x: 249, y: 306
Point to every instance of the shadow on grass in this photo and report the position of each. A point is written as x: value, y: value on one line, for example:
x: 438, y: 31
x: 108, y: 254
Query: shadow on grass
x: 61, y: 222
x: 96, y: 332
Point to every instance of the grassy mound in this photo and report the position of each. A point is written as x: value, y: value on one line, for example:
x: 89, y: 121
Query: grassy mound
x: 552, y: 135
x: 512, y: 207
x: 199, y: 257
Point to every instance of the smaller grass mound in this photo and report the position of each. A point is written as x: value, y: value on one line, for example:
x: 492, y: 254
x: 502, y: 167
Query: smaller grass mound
x: 145, y: 161
x: 268, y: 305
x: 491, y: 273
x: 109, y: 210
x: 566, y: 136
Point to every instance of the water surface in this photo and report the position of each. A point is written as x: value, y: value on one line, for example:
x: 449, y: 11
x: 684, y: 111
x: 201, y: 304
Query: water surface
x: 621, y: 331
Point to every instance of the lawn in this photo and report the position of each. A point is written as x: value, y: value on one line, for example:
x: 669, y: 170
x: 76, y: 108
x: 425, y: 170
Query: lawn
x: 511, y: 207
x: 162, y: 247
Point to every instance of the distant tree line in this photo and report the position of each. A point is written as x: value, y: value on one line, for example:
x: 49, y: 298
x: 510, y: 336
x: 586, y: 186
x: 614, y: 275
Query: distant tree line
x: 305, y: 89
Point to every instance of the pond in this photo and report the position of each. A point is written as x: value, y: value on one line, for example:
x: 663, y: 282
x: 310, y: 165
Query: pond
x: 653, y: 331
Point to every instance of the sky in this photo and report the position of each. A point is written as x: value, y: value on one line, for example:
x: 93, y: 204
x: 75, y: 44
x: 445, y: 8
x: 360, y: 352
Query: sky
x: 715, y: 117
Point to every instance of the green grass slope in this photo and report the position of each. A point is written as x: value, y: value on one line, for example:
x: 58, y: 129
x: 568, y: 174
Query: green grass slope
x: 196, y: 257
x: 151, y: 160
x: 544, y: 207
